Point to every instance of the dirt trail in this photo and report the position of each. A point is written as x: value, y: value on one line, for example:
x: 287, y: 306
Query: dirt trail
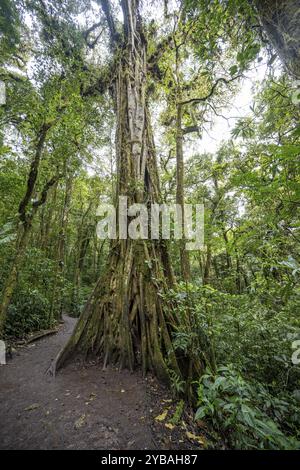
x: 82, y: 408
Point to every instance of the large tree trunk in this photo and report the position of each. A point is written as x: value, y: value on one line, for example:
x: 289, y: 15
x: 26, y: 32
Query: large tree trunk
x: 281, y: 21
x: 126, y: 320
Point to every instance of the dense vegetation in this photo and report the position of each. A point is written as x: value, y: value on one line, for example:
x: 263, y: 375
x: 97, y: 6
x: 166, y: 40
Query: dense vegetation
x: 227, y: 344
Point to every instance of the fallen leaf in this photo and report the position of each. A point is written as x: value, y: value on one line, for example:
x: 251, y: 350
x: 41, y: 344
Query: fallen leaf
x: 34, y: 406
x: 80, y: 422
x: 170, y: 426
x: 193, y: 437
x: 162, y: 416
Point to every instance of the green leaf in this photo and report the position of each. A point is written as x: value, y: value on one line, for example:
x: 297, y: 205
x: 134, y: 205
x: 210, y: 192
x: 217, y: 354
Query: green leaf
x: 233, y: 70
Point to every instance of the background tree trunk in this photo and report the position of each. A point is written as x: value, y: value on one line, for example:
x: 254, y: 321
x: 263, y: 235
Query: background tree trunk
x: 281, y: 22
x: 56, y: 302
x: 184, y: 255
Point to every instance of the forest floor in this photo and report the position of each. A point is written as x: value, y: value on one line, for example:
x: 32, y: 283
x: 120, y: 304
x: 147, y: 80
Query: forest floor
x: 86, y: 407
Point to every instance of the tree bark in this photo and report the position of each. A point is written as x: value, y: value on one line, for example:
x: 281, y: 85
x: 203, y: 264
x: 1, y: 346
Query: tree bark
x: 56, y: 301
x: 207, y: 268
x: 184, y: 255
x: 47, y: 222
x: 281, y: 22
x: 126, y: 320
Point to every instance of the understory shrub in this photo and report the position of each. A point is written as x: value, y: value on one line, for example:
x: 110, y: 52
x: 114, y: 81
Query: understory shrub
x: 243, y: 331
x: 28, y: 312
x: 31, y: 303
x: 245, y: 413
x: 242, y: 400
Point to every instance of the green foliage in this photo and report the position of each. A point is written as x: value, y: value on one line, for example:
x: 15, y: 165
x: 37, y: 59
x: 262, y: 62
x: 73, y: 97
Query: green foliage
x: 177, y: 384
x: 29, y: 311
x: 231, y: 26
x: 175, y: 420
x: 244, y: 330
x: 9, y: 28
x: 245, y: 412
x: 257, y: 341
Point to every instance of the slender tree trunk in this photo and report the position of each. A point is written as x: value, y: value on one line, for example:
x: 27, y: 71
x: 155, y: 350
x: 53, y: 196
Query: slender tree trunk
x: 207, y: 268
x: 238, y: 273
x: 83, y: 239
x: 184, y: 255
x: 48, y: 221
x: 228, y: 257
x: 216, y: 267
x: 199, y: 257
x: 56, y: 302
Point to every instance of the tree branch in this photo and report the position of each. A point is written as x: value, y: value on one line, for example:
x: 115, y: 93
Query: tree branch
x: 33, y: 173
x: 45, y: 190
x: 189, y: 129
x: 209, y: 95
x: 105, y: 5
x: 90, y: 30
